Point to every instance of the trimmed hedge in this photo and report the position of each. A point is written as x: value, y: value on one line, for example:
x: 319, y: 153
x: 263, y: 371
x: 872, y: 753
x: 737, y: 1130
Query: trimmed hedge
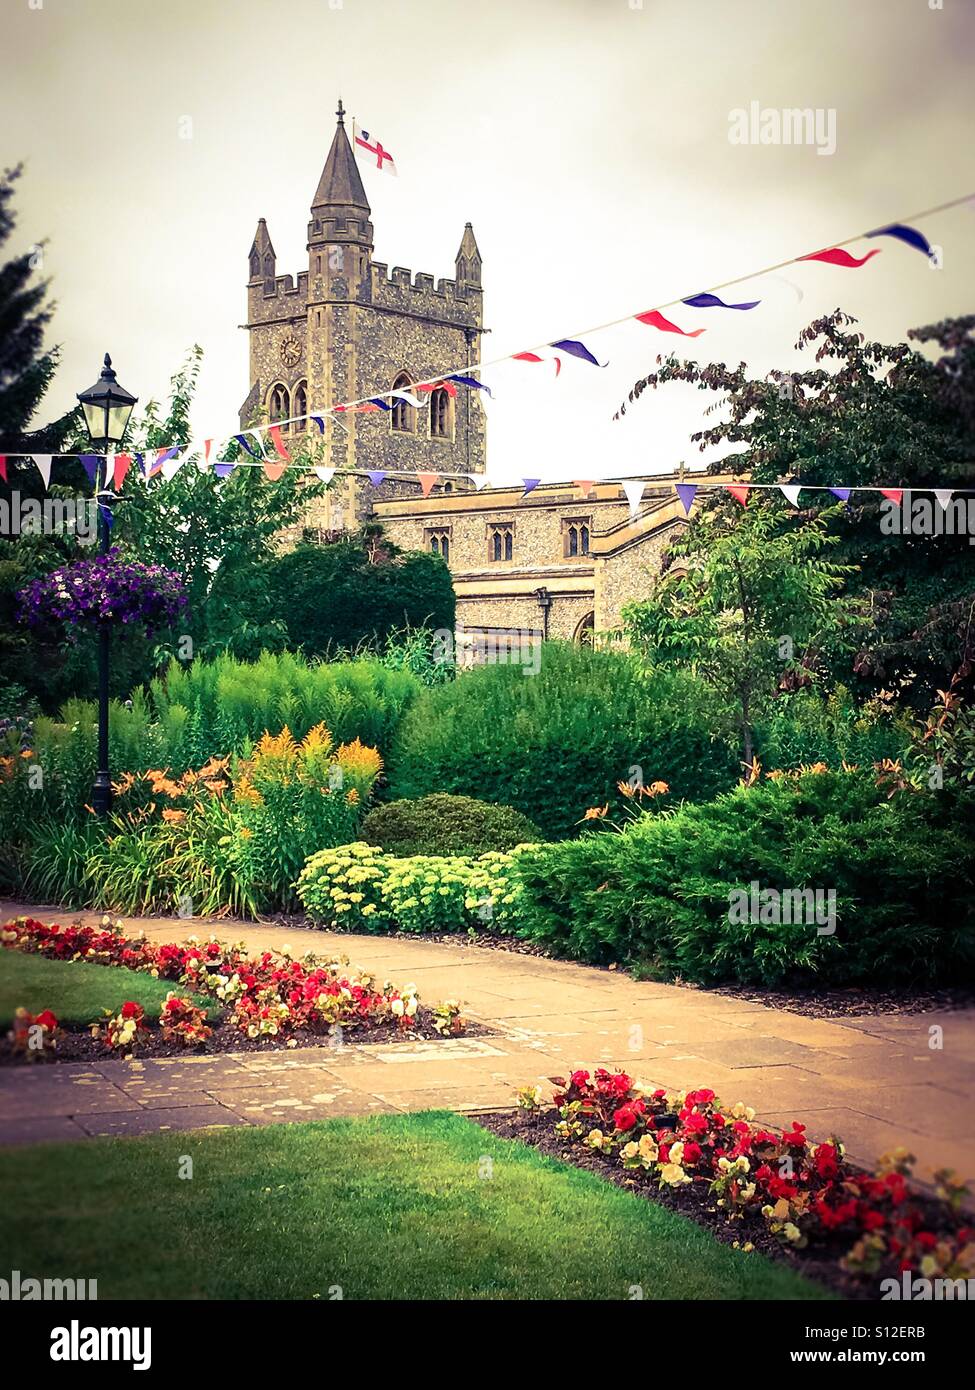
x: 443, y: 824
x: 658, y: 895
x: 556, y: 742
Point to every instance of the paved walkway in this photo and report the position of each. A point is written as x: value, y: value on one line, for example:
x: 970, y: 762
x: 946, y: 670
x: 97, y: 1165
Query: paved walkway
x: 874, y: 1081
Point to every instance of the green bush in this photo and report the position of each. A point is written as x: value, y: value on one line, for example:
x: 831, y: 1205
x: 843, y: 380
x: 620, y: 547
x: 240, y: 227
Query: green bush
x: 554, y: 743
x: 658, y: 894
x: 359, y: 888
x: 373, y: 590
x: 805, y: 727
x: 444, y: 824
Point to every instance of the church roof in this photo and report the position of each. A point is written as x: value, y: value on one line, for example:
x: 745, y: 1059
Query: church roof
x: 340, y: 183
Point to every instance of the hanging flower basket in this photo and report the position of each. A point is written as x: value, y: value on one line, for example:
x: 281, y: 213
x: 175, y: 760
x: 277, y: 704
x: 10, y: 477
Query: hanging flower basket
x: 105, y: 589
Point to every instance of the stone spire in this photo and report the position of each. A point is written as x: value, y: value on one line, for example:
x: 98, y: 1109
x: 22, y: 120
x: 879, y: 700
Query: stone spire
x: 261, y: 255
x: 468, y: 259
x: 340, y: 186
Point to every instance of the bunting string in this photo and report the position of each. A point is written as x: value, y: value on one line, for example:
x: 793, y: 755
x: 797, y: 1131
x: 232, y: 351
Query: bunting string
x: 166, y: 461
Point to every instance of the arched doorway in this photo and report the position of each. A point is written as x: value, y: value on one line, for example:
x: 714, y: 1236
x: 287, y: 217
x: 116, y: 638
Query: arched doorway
x: 585, y: 630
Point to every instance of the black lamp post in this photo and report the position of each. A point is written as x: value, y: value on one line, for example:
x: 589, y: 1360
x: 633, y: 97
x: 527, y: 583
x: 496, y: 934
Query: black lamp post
x: 107, y: 407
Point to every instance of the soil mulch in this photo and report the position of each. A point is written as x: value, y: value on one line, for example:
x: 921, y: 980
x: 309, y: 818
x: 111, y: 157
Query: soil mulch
x: 80, y: 1046
x: 850, y: 1003
x: 816, y: 1263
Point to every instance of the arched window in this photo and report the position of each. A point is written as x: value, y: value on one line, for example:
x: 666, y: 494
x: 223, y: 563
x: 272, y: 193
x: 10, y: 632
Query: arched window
x: 448, y: 487
x: 300, y: 404
x: 435, y: 544
x: 255, y: 266
x: 440, y: 544
x: 269, y: 266
x: 279, y: 403
x: 403, y: 415
x: 584, y: 540
x: 440, y: 421
x: 500, y: 542
x: 573, y: 540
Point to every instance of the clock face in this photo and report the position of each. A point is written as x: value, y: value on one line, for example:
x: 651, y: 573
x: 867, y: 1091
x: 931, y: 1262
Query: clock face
x: 291, y: 350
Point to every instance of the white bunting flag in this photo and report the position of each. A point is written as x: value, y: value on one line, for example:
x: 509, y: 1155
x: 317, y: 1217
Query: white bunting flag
x: 478, y: 479
x: 325, y: 474
x: 634, y: 495
x: 408, y: 397
x: 790, y: 493
x: 944, y: 495
x: 43, y: 462
x: 172, y: 466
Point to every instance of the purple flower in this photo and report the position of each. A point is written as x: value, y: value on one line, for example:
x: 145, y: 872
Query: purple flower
x: 106, y: 589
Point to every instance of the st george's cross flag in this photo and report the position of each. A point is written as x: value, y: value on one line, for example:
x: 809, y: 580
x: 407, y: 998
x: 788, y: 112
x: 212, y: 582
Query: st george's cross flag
x: 375, y: 155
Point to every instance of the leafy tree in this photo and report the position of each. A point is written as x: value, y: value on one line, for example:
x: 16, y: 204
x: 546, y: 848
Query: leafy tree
x: 874, y: 415
x: 750, y: 603
x: 359, y: 589
x: 27, y: 663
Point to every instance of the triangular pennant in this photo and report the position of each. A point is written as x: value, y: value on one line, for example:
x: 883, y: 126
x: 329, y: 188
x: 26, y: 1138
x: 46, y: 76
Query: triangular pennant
x: 472, y: 382
x: 904, y: 233
x: 319, y: 421
x: 426, y: 481
x: 123, y: 462
x: 279, y: 446
x: 894, y: 493
x: 686, y: 492
x: 273, y: 471
x: 711, y: 301
x: 634, y: 494
x: 843, y: 493
x: 586, y: 485
x: 835, y: 255
x: 3, y: 467
x: 428, y: 386
x: 576, y: 349
x: 944, y: 496
x: 530, y: 484
x: 534, y: 357
x: 739, y: 492
x: 90, y: 463
x: 479, y: 480
x: 223, y: 470
x: 325, y: 474
x: 106, y: 515
x: 375, y: 478
x: 790, y: 492
x: 172, y: 465
x: 248, y: 448
x: 43, y: 462
x: 162, y: 456
x: 379, y: 403
x: 409, y: 397
x: 655, y: 319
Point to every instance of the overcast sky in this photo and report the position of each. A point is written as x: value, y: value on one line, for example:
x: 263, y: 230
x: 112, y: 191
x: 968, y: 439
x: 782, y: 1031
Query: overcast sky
x: 586, y: 140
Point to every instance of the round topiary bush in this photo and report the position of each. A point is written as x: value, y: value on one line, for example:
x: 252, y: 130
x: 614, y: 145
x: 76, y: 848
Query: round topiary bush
x: 442, y: 824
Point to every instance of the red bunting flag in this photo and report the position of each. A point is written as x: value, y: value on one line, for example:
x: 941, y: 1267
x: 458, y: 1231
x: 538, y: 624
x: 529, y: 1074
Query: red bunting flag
x: 123, y: 462
x: 273, y: 470
x: 447, y: 386
x: 835, y: 255
x: 426, y: 481
x: 739, y: 492
x: 655, y: 319
x: 534, y: 357
x: 3, y: 467
x: 894, y: 493
x: 278, y: 442
x: 587, y: 486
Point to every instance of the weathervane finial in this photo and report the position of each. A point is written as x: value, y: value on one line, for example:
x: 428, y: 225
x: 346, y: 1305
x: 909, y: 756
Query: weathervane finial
x: 341, y: 112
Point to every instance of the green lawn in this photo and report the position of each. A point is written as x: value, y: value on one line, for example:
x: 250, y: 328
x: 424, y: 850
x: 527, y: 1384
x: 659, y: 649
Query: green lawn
x: 77, y: 991
x: 387, y: 1207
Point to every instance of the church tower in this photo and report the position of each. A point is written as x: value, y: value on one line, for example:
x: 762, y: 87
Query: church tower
x: 349, y: 329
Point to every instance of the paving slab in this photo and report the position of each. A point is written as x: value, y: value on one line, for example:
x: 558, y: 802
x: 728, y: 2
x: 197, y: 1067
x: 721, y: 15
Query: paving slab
x: 875, y: 1079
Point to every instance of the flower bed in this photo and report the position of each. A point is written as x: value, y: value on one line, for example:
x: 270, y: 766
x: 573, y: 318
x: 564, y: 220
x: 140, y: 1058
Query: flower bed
x: 270, y: 999
x: 756, y: 1187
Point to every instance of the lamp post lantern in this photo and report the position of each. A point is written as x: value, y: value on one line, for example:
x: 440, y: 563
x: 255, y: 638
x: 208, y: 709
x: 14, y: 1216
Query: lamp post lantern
x: 107, y: 407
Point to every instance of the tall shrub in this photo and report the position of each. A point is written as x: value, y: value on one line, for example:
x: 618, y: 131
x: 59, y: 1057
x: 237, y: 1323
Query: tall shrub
x: 554, y: 743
